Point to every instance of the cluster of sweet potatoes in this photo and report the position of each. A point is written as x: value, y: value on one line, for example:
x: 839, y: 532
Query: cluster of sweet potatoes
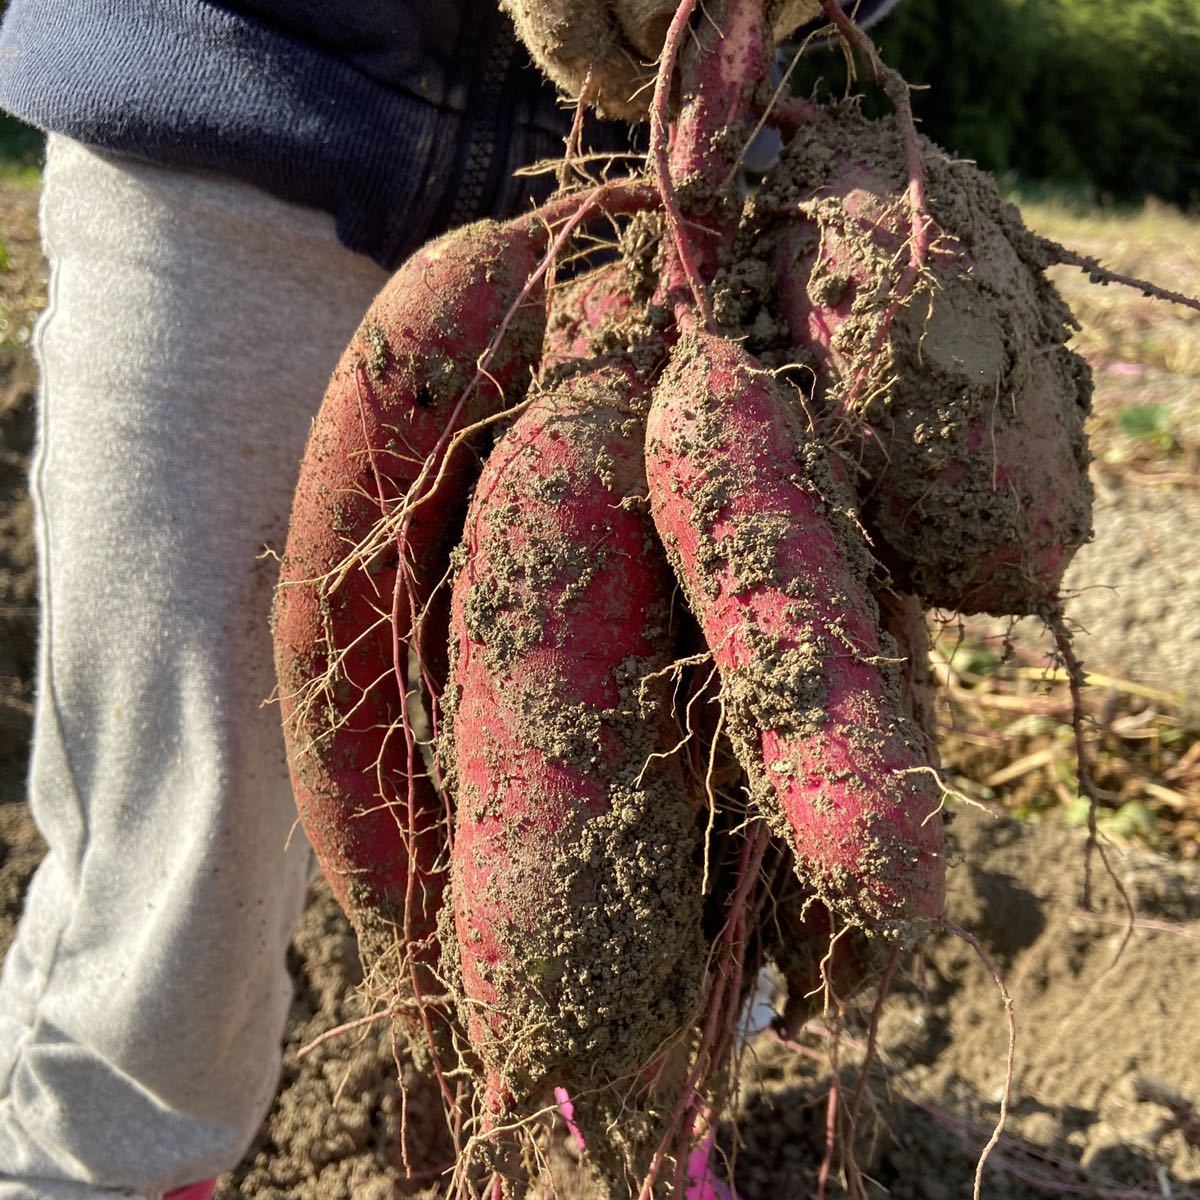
x: 600, y: 629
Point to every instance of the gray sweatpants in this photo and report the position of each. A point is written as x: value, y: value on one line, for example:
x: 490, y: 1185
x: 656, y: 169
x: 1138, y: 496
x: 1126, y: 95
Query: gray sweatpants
x: 192, y: 325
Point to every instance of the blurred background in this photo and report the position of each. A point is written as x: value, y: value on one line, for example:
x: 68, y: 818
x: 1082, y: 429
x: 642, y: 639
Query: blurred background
x: 1096, y: 99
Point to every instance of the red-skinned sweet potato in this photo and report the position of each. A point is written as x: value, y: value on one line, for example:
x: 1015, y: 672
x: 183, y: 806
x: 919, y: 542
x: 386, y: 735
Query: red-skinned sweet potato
x: 823, y: 964
x: 778, y: 580
x: 967, y: 412
x: 582, y: 311
x: 573, y: 932
x: 372, y: 814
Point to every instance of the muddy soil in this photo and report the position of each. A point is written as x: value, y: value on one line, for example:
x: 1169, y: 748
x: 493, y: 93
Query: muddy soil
x: 1108, y: 1062
x: 1105, y: 1044
x: 1133, y: 589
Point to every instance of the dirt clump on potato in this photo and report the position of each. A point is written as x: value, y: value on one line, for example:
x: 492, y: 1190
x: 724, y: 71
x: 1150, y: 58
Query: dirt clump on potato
x: 959, y: 404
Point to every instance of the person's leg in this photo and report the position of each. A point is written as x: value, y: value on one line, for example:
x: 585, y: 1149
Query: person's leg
x: 192, y: 325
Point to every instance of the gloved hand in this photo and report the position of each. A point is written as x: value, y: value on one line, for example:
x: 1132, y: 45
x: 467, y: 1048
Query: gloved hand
x: 618, y: 41
x: 570, y: 38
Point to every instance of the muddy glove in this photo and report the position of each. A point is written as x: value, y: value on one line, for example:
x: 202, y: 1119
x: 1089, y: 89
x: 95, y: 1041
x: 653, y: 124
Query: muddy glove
x: 644, y: 22
x: 582, y: 45
x: 609, y: 47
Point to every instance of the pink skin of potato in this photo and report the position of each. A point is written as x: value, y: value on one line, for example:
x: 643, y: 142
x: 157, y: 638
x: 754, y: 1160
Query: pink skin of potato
x: 574, y: 849
x: 975, y: 488
x: 582, y: 308
x: 744, y: 505
x: 374, y: 818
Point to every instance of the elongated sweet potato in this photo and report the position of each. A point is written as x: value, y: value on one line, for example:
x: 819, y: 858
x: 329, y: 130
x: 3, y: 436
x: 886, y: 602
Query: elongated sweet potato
x: 372, y: 815
x: 967, y: 408
x: 574, y: 935
x: 777, y: 578
x: 811, y: 951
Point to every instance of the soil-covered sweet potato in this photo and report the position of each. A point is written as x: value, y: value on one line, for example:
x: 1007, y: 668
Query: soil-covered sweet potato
x: 341, y: 639
x: 584, y: 313
x: 779, y: 580
x: 572, y: 936
x: 960, y: 399
x: 823, y: 963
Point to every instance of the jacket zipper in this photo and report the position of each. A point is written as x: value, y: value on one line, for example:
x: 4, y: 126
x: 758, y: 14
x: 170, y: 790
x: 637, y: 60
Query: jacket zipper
x: 489, y: 125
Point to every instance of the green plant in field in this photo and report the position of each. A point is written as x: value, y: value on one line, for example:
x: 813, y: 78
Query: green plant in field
x: 1100, y: 97
x: 1132, y: 821
x: 975, y: 657
x: 1149, y: 423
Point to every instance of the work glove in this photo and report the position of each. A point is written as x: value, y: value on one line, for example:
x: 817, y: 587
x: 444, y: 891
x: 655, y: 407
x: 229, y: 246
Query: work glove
x: 607, y: 48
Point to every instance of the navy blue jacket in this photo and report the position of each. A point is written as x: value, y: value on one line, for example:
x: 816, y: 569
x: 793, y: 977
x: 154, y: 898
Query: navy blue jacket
x: 402, y: 118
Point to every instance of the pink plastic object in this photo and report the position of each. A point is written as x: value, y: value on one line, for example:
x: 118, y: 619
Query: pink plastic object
x: 194, y: 1191
x: 702, y: 1182
x: 567, y: 1109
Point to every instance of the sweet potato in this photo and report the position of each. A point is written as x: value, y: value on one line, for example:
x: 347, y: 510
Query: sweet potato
x: 967, y: 409
x: 811, y: 951
x: 582, y: 312
x: 572, y: 935
x: 902, y: 618
x: 778, y: 579
x: 372, y: 815
x: 818, y: 961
